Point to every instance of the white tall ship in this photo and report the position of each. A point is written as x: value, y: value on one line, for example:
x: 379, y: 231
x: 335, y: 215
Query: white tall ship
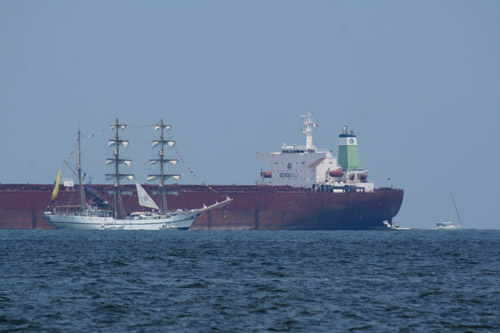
x: 88, y: 217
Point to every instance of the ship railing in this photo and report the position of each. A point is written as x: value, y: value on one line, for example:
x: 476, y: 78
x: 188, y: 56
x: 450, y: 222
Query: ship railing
x: 325, y: 188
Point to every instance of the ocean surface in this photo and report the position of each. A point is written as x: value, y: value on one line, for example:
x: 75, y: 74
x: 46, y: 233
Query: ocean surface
x: 250, y: 281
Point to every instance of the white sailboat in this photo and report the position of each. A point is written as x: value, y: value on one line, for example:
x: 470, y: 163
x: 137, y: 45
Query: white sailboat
x: 449, y: 225
x: 92, y: 218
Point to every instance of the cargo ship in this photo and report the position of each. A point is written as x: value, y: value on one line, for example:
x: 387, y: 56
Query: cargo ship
x: 306, y: 188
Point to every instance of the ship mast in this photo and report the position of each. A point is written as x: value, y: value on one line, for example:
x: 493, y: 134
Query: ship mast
x: 117, y: 161
x: 162, y: 160
x: 308, y: 122
x: 79, y: 169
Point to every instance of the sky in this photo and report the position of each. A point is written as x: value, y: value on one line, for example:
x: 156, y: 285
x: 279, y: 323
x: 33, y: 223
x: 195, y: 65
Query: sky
x: 418, y: 82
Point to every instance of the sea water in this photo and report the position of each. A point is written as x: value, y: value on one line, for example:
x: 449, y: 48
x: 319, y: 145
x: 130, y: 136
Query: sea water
x: 250, y: 281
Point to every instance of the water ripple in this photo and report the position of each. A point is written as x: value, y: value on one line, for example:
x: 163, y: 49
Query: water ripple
x: 419, y: 280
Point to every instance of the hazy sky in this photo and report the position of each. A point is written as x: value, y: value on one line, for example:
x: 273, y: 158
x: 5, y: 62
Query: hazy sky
x: 418, y: 81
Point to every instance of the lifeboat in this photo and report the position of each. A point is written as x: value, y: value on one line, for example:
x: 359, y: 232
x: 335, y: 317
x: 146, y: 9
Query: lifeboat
x: 336, y: 173
x: 266, y: 174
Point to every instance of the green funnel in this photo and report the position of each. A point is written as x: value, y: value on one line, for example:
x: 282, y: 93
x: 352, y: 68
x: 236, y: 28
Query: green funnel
x: 348, y: 150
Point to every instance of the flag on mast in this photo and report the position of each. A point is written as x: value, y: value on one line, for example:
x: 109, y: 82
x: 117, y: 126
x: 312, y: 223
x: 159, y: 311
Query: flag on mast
x: 56, y: 187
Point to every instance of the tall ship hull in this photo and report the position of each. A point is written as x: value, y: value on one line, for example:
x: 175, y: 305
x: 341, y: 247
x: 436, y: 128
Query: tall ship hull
x: 134, y: 222
x: 260, y: 207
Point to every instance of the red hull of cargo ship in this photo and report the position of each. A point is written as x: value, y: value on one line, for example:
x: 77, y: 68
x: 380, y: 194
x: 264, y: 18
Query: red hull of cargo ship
x: 295, y: 210
x: 253, y: 207
x: 22, y: 206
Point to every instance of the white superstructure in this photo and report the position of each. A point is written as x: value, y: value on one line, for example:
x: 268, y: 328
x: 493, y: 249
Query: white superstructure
x: 310, y: 167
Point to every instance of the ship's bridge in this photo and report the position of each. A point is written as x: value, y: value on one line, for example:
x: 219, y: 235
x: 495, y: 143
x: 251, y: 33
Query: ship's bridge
x: 298, y: 167
x: 297, y: 149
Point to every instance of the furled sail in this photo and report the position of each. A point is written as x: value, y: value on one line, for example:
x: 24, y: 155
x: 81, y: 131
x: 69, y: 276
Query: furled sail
x: 55, y: 192
x: 120, y: 126
x: 124, y: 143
x: 165, y: 177
x: 113, y: 176
x: 171, y: 161
x: 144, y: 199
x: 167, y: 127
x: 169, y: 143
x: 120, y: 161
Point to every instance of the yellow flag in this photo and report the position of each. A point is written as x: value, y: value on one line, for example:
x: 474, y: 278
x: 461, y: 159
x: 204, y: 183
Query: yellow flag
x: 56, y: 187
